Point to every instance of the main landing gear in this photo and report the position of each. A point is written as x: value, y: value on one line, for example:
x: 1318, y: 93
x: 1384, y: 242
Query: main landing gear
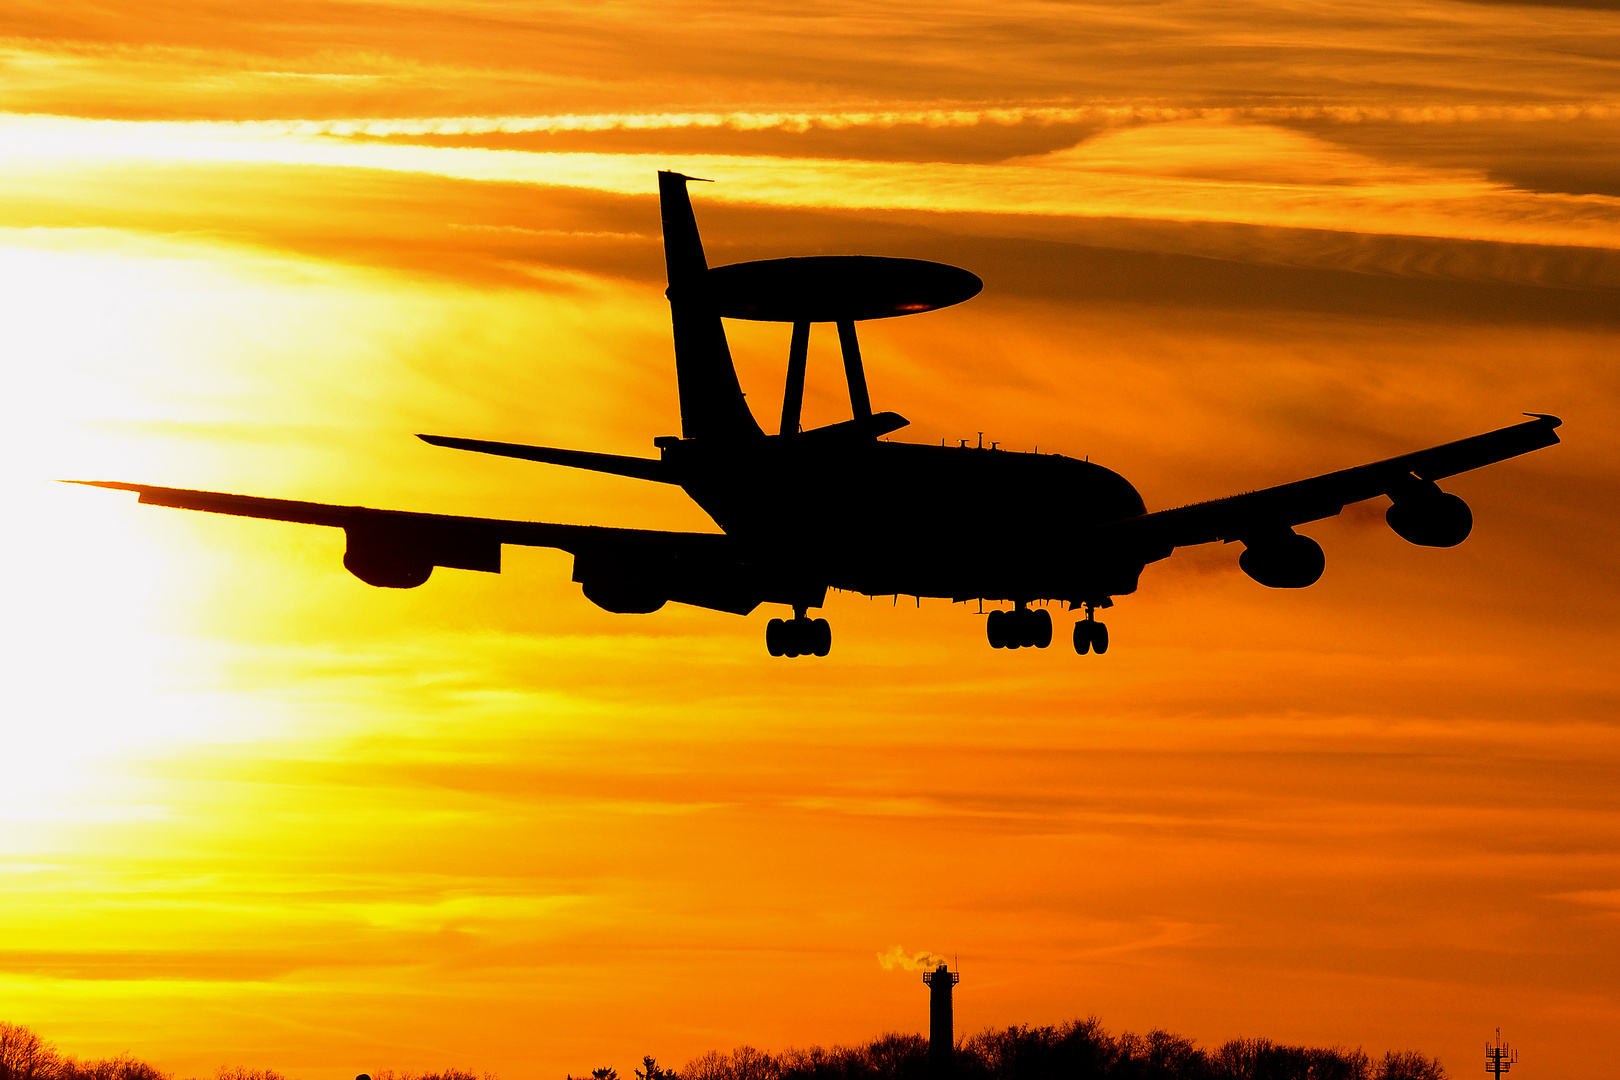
x: 1019, y: 628
x: 798, y: 636
x: 1024, y: 627
x: 1090, y: 634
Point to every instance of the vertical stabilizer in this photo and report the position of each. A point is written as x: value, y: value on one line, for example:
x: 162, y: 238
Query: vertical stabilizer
x: 712, y: 405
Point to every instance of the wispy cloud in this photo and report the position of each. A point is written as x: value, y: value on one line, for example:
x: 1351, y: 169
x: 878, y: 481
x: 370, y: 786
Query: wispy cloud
x: 967, y: 115
x: 1606, y: 899
x: 1185, y: 171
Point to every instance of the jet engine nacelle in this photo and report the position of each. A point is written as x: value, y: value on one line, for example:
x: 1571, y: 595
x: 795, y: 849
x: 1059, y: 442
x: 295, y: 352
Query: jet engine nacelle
x: 388, y: 562
x: 1430, y: 517
x: 624, y: 586
x: 622, y: 596
x: 1284, y: 560
x: 402, y: 555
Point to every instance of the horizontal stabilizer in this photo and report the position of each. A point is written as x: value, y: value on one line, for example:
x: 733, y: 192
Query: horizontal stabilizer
x: 619, y: 464
x: 862, y: 427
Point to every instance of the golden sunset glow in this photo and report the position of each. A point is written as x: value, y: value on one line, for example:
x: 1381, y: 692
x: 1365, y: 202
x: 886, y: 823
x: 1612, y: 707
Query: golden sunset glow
x: 256, y: 812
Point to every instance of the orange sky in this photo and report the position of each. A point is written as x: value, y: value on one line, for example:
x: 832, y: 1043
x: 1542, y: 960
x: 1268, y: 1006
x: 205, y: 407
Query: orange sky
x: 256, y: 812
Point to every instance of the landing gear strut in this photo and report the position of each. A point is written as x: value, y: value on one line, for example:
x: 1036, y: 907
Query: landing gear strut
x: 1019, y: 628
x: 798, y: 636
x: 1090, y: 634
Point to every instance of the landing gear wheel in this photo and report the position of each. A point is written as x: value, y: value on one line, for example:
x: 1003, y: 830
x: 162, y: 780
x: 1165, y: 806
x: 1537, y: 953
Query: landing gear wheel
x: 1020, y: 628
x: 820, y: 636
x: 776, y: 637
x: 995, y: 628
x: 1041, y: 624
x: 1099, y: 638
x: 1082, y: 636
x: 798, y: 636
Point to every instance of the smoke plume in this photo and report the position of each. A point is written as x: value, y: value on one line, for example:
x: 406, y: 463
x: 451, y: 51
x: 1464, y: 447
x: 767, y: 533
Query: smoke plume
x: 898, y: 958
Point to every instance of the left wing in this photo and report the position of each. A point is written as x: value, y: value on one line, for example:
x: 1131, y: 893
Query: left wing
x: 1422, y: 513
x: 637, y: 569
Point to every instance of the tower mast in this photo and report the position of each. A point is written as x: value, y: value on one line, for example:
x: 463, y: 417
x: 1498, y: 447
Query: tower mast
x: 1499, y: 1058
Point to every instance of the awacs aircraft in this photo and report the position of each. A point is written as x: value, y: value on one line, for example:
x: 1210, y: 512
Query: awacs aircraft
x: 802, y: 511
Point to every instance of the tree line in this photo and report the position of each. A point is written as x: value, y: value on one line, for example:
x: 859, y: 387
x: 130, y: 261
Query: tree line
x: 1079, y: 1050
x: 26, y: 1056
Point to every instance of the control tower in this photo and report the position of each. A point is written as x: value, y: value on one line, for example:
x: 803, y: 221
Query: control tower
x: 941, y: 1037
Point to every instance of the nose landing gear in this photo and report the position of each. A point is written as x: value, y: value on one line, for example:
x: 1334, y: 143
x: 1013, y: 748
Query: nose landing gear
x: 1022, y: 627
x: 798, y: 636
x: 1090, y: 634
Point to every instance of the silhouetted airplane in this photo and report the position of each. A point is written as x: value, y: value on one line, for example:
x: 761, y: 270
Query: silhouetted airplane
x: 838, y: 507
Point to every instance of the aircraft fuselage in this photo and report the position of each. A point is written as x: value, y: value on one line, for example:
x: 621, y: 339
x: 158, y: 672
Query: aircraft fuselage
x: 892, y: 517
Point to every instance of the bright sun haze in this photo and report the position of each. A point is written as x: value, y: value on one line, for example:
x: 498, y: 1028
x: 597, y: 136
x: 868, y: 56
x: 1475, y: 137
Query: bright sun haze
x: 257, y: 812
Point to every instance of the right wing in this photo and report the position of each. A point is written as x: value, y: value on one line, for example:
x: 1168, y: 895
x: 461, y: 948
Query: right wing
x: 1275, y: 509
x: 399, y: 549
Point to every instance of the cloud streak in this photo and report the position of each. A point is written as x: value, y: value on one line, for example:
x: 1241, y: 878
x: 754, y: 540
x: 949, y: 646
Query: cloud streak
x: 969, y: 115
x: 1187, y: 171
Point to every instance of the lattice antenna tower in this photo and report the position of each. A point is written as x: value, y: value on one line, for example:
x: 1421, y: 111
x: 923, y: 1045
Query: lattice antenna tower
x: 1499, y: 1058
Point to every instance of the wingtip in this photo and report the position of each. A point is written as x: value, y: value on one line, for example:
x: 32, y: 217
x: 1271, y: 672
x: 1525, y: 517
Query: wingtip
x: 1552, y: 421
x: 114, y: 485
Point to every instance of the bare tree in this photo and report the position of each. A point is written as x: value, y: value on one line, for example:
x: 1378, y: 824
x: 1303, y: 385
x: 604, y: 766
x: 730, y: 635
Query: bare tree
x: 120, y: 1067
x: 1410, y: 1065
x: 24, y: 1055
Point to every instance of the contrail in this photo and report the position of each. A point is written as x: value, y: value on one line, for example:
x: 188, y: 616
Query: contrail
x: 967, y: 116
